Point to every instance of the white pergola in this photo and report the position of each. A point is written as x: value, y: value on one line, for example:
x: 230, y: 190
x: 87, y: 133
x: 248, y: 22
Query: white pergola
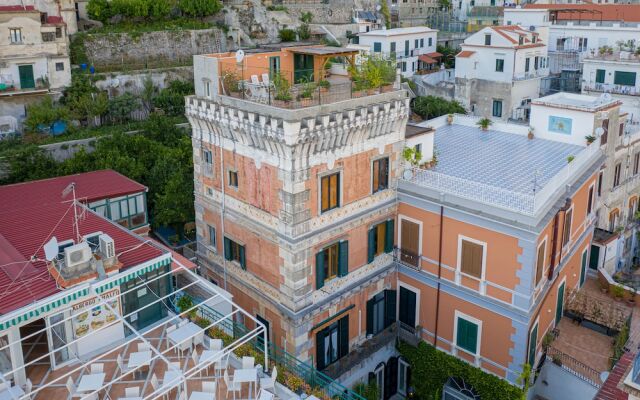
x: 153, y: 336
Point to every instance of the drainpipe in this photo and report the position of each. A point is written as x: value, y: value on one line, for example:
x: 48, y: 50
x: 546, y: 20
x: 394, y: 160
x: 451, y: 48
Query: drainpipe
x: 435, y: 333
x: 222, y: 209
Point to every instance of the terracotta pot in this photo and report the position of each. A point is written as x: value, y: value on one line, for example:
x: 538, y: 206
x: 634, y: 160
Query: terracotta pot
x: 530, y: 135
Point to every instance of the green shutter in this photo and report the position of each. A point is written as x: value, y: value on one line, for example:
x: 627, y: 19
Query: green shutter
x: 243, y: 260
x: 559, y: 303
x: 227, y: 249
x: 600, y: 76
x: 371, y: 249
x: 389, y: 307
x: 370, y: 317
x: 320, y: 350
x: 467, y: 337
x: 343, y: 258
x: 343, y: 338
x: 533, y: 344
x: 624, y: 78
x: 389, y: 235
x: 319, y: 270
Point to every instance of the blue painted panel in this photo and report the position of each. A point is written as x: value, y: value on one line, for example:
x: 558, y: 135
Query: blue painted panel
x: 560, y: 125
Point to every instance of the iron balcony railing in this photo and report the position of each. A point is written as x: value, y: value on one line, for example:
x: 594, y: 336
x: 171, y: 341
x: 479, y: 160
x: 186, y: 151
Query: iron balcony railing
x: 574, y: 367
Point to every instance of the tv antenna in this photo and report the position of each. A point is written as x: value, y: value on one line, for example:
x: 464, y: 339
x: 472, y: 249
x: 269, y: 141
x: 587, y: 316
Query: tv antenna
x: 71, y: 188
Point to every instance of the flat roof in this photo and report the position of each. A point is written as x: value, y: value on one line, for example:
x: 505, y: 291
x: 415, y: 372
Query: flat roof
x: 580, y: 102
x: 399, y: 31
x: 322, y: 50
x: 499, y: 159
x: 413, y: 130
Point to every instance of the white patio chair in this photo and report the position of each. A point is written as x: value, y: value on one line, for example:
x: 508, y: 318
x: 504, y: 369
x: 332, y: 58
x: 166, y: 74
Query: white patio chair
x: 143, y: 346
x: 233, y: 387
x: 71, y: 387
x: 155, y: 385
x: 175, y: 365
x: 270, y: 381
x: 184, y: 345
x: 221, y: 365
x: 169, y: 329
x: 198, y: 339
x: 264, y: 395
x: 28, y: 387
x: 248, y: 362
x: 183, y: 322
x: 215, y: 344
x: 255, y: 80
x: 209, y: 387
x: 195, y: 359
x: 96, y: 368
x: 265, y: 79
x: 132, y: 391
x: 257, y: 93
x: 121, y: 365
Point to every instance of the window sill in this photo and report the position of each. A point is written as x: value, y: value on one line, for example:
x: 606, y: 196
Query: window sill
x: 329, y: 211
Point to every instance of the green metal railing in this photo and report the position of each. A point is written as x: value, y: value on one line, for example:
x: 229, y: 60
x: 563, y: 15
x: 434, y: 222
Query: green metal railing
x: 285, y: 361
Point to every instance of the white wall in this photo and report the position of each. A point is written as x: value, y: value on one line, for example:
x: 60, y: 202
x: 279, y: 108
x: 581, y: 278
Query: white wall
x: 597, y: 36
x: 582, y: 124
x: 555, y: 383
x: 590, y: 66
x: 426, y: 143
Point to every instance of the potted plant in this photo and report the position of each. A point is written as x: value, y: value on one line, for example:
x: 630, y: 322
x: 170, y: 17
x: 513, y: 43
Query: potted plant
x: 570, y: 158
x: 282, y: 88
x: 324, y: 85
x: 412, y: 156
x: 185, y: 302
x: 449, y: 119
x: 547, y: 339
x: 484, y: 123
x: 618, y: 292
x: 590, y: 139
x: 530, y: 134
x: 306, y: 95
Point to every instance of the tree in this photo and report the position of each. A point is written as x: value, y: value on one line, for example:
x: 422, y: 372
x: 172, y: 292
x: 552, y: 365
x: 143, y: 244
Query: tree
x: 287, y: 35
x: 29, y: 163
x: 44, y: 113
x: 384, y: 9
x: 199, y: 8
x: 100, y: 10
x: 121, y: 107
x: 171, y: 99
x: 431, y: 107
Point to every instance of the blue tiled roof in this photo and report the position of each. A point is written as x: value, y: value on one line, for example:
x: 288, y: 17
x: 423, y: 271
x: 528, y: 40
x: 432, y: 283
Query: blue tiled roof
x: 505, y: 160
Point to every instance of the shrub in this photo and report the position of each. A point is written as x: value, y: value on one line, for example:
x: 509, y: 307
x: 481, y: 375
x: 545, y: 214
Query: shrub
x: 44, y: 113
x: 121, y: 107
x: 619, y: 343
x: 304, y: 32
x: 185, y: 302
x: 100, y: 10
x: 199, y: 8
x: 282, y: 87
x: 432, y: 106
x: 171, y: 99
x: 287, y: 35
x: 430, y: 369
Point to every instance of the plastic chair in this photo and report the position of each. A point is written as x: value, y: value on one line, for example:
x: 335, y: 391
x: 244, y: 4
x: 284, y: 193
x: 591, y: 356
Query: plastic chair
x: 209, y: 387
x: 221, y: 365
x: 195, y: 359
x: 132, y: 391
x: 143, y: 347
x: 269, y: 382
x: 233, y: 387
x: 170, y: 329
x: 71, y: 387
x: 215, y: 344
x: 123, y: 368
x: 248, y: 362
x: 265, y: 79
x: 198, y: 339
x: 264, y: 395
x: 96, y: 368
x: 183, y: 322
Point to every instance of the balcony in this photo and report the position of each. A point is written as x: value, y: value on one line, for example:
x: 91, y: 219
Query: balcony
x: 610, y: 88
x: 536, y: 73
x: 9, y: 87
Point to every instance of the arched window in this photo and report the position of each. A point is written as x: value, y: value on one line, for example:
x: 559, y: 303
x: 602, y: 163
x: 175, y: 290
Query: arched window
x: 614, y: 217
x: 457, y: 389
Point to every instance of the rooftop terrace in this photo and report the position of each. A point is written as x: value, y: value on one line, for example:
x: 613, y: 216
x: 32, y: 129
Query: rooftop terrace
x: 579, y: 102
x: 500, y: 167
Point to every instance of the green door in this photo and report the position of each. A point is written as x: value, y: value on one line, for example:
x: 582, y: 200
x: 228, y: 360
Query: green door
x: 559, y: 303
x: 583, y: 268
x: 274, y: 66
x: 302, y: 68
x: 26, y: 77
x: 593, y: 259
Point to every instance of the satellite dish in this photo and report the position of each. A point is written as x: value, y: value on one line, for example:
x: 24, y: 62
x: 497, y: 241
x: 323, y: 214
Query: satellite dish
x: 599, y: 131
x: 239, y: 56
x: 51, y: 249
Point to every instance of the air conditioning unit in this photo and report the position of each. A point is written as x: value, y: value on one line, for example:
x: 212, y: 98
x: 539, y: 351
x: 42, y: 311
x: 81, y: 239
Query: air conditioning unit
x: 77, y: 254
x: 107, y: 246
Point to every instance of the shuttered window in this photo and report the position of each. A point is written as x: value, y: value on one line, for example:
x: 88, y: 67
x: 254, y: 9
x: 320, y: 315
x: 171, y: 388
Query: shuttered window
x: 567, y: 227
x: 409, y: 242
x: 624, y: 78
x: 234, y: 251
x: 616, y: 175
x: 380, y: 239
x: 533, y: 344
x: 636, y: 163
x: 381, y: 311
x: 377, y: 47
x: 332, y: 343
x: 233, y: 179
x: 330, y: 192
x: 332, y: 261
x: 540, y: 262
x: 600, y: 76
x: 471, y: 258
x: 467, y: 335
x: 380, y: 172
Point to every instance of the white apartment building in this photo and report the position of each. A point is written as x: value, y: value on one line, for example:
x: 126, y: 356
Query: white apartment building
x: 617, y: 74
x: 498, y: 71
x: 414, y: 48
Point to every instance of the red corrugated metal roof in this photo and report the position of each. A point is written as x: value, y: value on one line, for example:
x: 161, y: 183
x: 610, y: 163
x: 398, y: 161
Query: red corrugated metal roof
x: 16, y: 8
x: 426, y: 59
x: 434, y: 54
x: 90, y: 186
x: 24, y: 231
x: 604, y: 12
x: 610, y: 390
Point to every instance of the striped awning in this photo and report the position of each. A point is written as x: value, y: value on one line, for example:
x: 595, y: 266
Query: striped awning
x: 80, y: 293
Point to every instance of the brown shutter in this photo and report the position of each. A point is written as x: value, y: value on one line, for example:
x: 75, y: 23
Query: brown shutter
x: 333, y: 191
x: 409, y: 237
x: 540, y: 263
x: 471, y: 262
x: 324, y: 188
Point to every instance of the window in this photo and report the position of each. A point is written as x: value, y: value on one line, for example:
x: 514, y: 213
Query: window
x: 467, y: 334
x: 600, y: 76
x: 536, y: 61
x: 380, y: 239
x: 207, y: 157
x: 471, y: 258
x: 59, y: 31
x: 542, y: 248
x: 381, y: 311
x: 212, y: 236
x: 332, y: 343
x: 234, y: 251
x: 621, y: 129
x: 605, y: 134
x: 487, y: 40
x: 330, y: 192
x: 15, y: 35
x: 566, y: 234
x: 624, y: 78
x: 590, y: 201
x: 59, y: 66
x: 497, y: 108
x: 633, y: 206
x: 409, y: 242
x: 128, y: 211
x: 600, y: 176
x: 616, y: 175
x: 207, y: 87
x: 534, y: 38
x: 527, y: 61
x: 393, y: 49
x: 418, y: 148
x: 48, y: 36
x: 636, y: 163
x: 380, y: 174
x: 422, y: 43
x: 416, y: 43
x: 404, y: 66
x: 233, y: 179
x: 533, y: 345
x: 520, y: 40
x: 332, y: 261
x: 499, y: 65
x: 377, y: 47
x: 613, y: 219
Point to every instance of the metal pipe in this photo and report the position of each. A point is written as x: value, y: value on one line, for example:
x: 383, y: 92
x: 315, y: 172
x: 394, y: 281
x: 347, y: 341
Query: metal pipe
x: 435, y: 333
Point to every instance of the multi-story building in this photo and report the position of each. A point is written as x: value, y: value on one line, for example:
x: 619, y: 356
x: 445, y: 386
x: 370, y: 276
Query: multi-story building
x: 295, y: 200
x: 492, y: 238
x: 66, y: 10
x: 479, y: 17
x: 498, y: 71
x: 106, y: 192
x: 411, y: 12
x: 414, y: 48
x: 34, y: 57
x: 618, y: 74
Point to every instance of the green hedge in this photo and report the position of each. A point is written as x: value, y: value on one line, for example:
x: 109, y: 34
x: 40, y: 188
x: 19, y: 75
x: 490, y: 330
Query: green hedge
x: 430, y: 369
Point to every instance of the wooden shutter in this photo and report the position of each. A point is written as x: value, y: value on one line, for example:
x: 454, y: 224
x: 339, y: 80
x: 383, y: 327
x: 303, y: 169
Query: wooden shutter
x: 380, y: 236
x: 343, y: 258
x: 227, y: 249
x: 319, y: 269
x: 388, y: 240
x: 343, y: 338
x: 533, y: 344
x: 471, y: 262
x: 540, y: 262
x: 389, y: 307
x: 334, y: 191
x: 409, y: 234
x: 370, y: 316
x: 376, y: 175
x: 242, y: 258
x: 324, y: 193
x: 320, y: 350
x: 467, y: 337
x: 371, y: 251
